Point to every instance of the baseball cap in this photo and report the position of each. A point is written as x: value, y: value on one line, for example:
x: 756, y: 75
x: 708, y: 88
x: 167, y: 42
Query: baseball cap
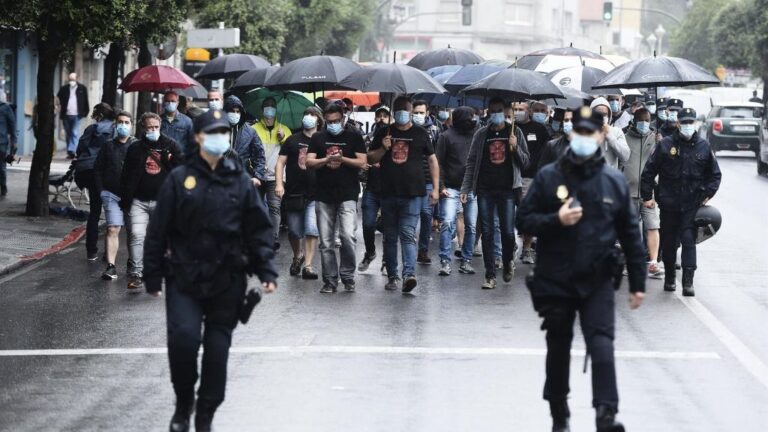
x: 661, y: 103
x: 211, y: 120
x: 585, y: 118
x: 686, y: 114
x: 674, y: 104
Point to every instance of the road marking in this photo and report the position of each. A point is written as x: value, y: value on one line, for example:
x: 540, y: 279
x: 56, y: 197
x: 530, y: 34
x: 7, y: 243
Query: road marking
x: 385, y: 350
x: 739, y: 349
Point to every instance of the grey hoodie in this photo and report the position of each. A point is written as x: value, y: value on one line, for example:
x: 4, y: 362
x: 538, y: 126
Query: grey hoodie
x: 615, y: 146
x: 640, y: 146
x: 519, y: 161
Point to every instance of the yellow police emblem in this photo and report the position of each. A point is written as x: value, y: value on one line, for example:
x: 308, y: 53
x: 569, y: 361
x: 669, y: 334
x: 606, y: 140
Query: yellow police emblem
x: 586, y: 112
x: 217, y: 114
x: 673, y: 151
x: 190, y: 182
x: 562, y: 192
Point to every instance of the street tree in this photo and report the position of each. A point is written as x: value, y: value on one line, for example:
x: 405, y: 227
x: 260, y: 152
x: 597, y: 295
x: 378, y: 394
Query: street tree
x: 693, y: 39
x: 759, y: 31
x: 731, y: 35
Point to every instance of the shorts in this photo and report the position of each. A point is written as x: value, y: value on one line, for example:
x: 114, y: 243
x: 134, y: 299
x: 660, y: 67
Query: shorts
x: 649, y: 216
x: 303, y: 224
x: 112, y: 212
x: 526, y: 185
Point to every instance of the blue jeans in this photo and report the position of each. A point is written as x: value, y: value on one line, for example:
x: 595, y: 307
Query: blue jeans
x: 328, y: 213
x: 449, y: 206
x: 488, y: 203
x: 72, y: 130
x: 370, y: 206
x: 400, y: 215
x: 302, y: 223
x: 425, y: 231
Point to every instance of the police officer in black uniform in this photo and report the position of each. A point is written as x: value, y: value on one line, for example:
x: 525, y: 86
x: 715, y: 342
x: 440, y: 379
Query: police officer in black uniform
x: 669, y: 127
x: 689, y: 176
x: 578, y: 207
x: 209, y: 231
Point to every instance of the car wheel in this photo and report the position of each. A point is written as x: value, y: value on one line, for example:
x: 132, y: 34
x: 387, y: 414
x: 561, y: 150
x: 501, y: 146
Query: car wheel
x: 762, y: 167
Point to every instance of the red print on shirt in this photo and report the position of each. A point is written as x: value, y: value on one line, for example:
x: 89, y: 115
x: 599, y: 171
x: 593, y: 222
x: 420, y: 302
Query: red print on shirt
x: 400, y: 152
x: 151, y: 166
x: 497, y: 152
x: 303, y: 158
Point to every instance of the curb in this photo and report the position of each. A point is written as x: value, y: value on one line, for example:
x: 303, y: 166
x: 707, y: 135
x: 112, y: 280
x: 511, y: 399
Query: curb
x: 73, y: 237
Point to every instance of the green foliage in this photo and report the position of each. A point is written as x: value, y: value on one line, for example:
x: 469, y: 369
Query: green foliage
x: 731, y: 43
x: 693, y: 39
x: 758, y: 11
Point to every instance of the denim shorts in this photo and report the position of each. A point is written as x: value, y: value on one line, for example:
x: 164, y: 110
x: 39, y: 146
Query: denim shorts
x: 112, y: 211
x: 303, y: 224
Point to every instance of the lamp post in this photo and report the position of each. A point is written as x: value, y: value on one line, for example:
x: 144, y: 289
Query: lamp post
x: 660, y: 32
x: 651, y: 40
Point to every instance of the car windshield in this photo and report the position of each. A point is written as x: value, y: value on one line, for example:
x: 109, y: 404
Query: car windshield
x: 739, y: 112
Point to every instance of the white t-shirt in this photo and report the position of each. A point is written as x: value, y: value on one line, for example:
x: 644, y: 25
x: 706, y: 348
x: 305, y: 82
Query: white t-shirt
x: 72, y: 102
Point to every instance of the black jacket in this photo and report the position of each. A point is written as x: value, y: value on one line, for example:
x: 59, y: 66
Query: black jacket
x: 208, y: 230
x: 82, y: 100
x: 688, y: 173
x: 554, y: 150
x: 136, y: 156
x: 109, y: 165
x: 573, y: 261
x: 453, y: 147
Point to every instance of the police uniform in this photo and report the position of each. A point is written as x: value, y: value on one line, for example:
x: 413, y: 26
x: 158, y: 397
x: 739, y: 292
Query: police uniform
x: 669, y: 127
x: 688, y: 173
x: 209, y: 230
x: 661, y: 106
x: 578, y: 265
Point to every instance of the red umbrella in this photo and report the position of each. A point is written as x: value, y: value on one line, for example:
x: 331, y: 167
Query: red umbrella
x: 156, y: 79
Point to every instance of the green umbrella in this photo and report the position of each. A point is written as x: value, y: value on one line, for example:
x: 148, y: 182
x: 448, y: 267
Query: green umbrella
x: 290, y: 105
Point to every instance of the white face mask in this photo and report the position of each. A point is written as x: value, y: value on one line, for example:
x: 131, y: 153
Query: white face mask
x: 72, y: 83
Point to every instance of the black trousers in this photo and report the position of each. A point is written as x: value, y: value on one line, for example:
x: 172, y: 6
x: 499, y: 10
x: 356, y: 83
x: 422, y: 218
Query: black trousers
x: 597, y: 318
x: 85, y: 180
x: 186, y: 318
x: 677, y: 228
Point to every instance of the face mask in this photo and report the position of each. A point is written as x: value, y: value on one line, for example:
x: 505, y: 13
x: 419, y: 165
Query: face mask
x: 170, y: 107
x: 567, y: 127
x: 643, y: 127
x: 335, y: 128
x: 476, y: 119
x: 72, y: 83
x: 216, y: 144
x: 153, y: 135
x: 555, y: 125
x: 583, y: 146
x: 614, y: 104
x: 443, y: 115
x: 123, y: 130
x: 309, y: 122
x: 539, y: 117
x: 234, y: 118
x: 663, y: 115
x: 419, y: 119
x: 402, y: 117
x: 651, y: 108
x: 520, y: 116
x: 214, y: 105
x: 270, y: 112
x: 497, y: 118
x: 687, y: 130
x: 672, y: 116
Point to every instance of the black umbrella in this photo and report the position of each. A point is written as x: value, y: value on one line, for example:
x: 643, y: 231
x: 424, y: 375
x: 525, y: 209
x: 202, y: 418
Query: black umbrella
x: 549, y: 60
x: 514, y: 84
x: 657, y: 72
x: 253, y: 79
x: 447, y: 56
x: 392, y: 78
x: 310, y: 74
x: 573, y: 98
x: 197, y: 91
x: 230, y: 66
x: 468, y: 75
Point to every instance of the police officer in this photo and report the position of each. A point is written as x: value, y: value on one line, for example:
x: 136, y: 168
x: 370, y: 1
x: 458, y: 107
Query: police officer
x: 661, y: 114
x: 210, y: 229
x: 689, y: 177
x: 577, y: 208
x: 669, y: 127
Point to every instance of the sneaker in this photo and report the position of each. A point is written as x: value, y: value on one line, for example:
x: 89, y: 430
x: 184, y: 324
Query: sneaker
x: 528, y: 256
x: 135, y: 282
x: 490, y: 283
x: 393, y: 284
x: 409, y: 284
x: 349, y: 286
x: 499, y: 263
x: 445, y: 268
x: 655, y: 271
x: 509, y: 271
x: 366, y: 262
x: 423, y: 258
x: 328, y: 289
x: 383, y: 268
x: 110, y: 273
x: 296, y: 265
x: 92, y: 256
x: 466, y: 268
x: 308, y: 273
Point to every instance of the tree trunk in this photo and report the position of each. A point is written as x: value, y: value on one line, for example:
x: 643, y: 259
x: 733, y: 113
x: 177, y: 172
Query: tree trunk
x: 145, y: 98
x: 37, y: 193
x: 111, y: 73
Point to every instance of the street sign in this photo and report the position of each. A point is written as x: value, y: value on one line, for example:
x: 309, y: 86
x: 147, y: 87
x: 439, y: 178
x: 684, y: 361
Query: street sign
x: 214, y: 38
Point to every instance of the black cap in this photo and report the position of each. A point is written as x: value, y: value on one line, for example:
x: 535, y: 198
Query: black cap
x: 661, y: 103
x: 648, y: 100
x: 210, y: 120
x: 675, y: 104
x: 586, y: 118
x: 686, y: 114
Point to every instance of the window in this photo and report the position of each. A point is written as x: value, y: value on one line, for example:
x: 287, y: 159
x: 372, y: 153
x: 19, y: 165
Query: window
x: 450, y: 11
x: 519, y: 14
x: 739, y: 112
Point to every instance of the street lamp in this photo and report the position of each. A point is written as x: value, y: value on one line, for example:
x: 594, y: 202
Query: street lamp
x: 660, y: 32
x: 651, y: 39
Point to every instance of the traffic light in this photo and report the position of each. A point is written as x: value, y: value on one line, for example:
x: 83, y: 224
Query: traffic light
x: 607, y: 11
x: 466, y: 12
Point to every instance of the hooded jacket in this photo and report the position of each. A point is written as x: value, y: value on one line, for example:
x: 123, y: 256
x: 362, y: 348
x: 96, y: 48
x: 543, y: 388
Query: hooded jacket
x: 640, y: 147
x: 109, y: 165
x: 453, y: 147
x: 615, y: 148
x: 246, y: 143
x: 94, y: 138
x: 7, y: 127
x: 520, y: 160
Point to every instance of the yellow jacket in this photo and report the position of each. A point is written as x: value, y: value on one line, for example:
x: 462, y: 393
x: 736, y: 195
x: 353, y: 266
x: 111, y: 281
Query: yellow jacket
x: 271, y: 144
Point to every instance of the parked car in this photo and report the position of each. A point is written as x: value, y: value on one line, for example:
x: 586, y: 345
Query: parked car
x: 734, y: 126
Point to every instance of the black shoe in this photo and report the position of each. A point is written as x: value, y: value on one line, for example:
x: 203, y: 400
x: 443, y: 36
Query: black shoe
x: 70, y: 155
x: 328, y: 289
x: 392, y: 284
x: 3, y: 190
x: 204, y: 416
x: 409, y: 284
x: 349, y: 286
x: 366, y: 262
x: 605, y: 420
x: 509, y: 271
x: 135, y: 283
x: 110, y: 273
x: 92, y: 256
x: 670, y: 283
x: 423, y: 258
x: 560, y: 415
x: 296, y: 264
x: 688, y: 281
x: 184, y: 408
x: 308, y: 273
x: 489, y: 283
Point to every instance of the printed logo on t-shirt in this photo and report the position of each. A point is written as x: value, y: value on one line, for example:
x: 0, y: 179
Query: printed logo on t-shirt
x: 151, y: 166
x: 497, y: 151
x: 400, y: 149
x: 303, y: 157
x: 332, y: 150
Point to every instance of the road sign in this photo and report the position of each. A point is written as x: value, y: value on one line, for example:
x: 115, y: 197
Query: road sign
x: 214, y: 38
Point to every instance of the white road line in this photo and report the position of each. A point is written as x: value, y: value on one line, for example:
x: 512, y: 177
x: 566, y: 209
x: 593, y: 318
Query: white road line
x: 739, y: 349
x: 385, y: 350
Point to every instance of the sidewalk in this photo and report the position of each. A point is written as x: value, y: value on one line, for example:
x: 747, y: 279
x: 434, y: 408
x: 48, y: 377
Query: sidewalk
x: 27, y: 239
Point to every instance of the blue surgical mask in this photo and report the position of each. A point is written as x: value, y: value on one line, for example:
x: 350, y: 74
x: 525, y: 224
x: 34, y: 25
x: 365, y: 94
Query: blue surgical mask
x: 663, y: 115
x: 214, y: 104
x: 270, y: 112
x: 170, y: 107
x: 335, y: 128
x: 672, y: 116
x: 153, y: 135
x: 123, y: 130
x: 615, y: 106
x: 567, y: 127
x: 309, y: 122
x: 651, y: 108
x: 497, y: 118
x: 402, y: 117
x: 216, y: 144
x: 687, y: 130
x: 419, y: 119
x: 234, y: 118
x: 556, y: 125
x: 539, y: 117
x: 583, y: 146
x: 443, y: 115
x: 643, y: 127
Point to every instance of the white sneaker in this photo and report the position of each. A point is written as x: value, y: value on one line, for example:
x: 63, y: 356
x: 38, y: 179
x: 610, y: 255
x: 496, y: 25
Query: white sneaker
x: 655, y: 271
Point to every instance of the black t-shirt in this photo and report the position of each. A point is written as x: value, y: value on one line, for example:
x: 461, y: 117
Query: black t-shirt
x: 536, y: 137
x: 402, y: 167
x: 298, y: 180
x: 154, y: 175
x: 339, y: 184
x: 496, y: 168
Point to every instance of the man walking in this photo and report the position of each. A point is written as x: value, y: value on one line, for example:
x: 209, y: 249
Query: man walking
x: 177, y: 126
x: 245, y: 144
x: 615, y: 148
x: 422, y: 119
x: 7, y: 142
x: 73, y: 98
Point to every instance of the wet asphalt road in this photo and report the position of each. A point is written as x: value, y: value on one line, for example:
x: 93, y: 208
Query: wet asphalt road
x: 450, y: 358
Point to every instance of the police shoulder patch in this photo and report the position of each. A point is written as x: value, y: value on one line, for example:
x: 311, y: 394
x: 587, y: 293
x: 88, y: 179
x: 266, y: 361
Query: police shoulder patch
x: 673, y: 151
x: 562, y: 192
x: 190, y: 182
